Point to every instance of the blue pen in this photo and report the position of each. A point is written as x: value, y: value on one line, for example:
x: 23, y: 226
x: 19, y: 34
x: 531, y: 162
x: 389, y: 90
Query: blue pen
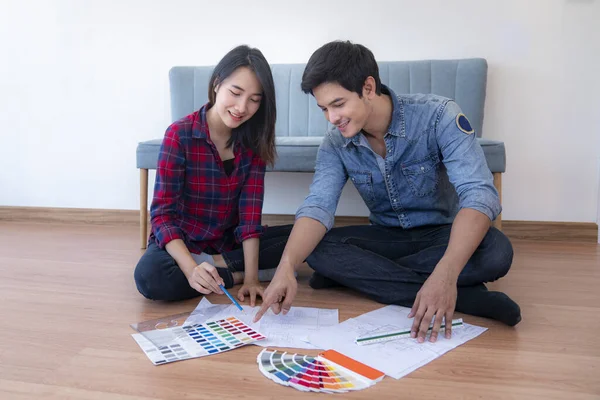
x: 232, y: 299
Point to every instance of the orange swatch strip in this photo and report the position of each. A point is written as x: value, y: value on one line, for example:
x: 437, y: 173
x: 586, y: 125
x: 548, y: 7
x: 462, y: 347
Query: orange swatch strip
x: 352, y: 365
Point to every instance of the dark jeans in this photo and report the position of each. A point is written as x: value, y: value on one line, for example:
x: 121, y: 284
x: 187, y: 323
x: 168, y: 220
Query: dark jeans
x: 391, y: 264
x: 158, y: 277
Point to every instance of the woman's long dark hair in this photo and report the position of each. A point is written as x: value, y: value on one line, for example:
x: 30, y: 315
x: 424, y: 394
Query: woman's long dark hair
x: 258, y: 133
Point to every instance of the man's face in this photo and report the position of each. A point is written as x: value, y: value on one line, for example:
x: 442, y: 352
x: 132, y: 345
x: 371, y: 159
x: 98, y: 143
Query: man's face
x: 343, y: 108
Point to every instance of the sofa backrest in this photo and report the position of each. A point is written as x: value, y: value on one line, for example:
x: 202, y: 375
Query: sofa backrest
x: 463, y: 80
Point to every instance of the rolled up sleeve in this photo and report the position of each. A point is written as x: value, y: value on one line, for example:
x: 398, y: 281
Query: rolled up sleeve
x: 170, y: 176
x: 465, y: 162
x: 326, y: 187
x: 251, y: 202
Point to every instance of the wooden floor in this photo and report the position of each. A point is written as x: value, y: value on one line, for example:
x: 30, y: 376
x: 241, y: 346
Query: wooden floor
x: 67, y: 298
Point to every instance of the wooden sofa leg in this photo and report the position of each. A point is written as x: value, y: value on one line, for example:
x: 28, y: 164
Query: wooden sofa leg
x: 498, y: 185
x: 143, y: 207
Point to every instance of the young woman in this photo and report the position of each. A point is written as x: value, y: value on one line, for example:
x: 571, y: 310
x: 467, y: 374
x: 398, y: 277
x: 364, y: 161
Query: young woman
x: 208, y: 195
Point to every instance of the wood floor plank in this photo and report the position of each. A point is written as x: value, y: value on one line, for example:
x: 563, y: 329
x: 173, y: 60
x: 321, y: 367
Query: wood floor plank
x: 67, y: 299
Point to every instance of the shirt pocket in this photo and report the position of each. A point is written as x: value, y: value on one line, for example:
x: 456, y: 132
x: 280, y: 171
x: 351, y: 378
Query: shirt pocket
x: 422, y: 175
x: 363, y: 181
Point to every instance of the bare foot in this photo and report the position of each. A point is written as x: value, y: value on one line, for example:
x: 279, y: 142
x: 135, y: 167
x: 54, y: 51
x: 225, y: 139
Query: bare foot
x: 238, y: 277
x: 219, y: 261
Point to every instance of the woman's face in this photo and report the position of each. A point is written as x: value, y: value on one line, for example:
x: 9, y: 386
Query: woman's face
x: 238, y: 97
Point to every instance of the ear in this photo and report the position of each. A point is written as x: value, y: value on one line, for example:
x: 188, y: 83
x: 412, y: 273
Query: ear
x: 369, y: 88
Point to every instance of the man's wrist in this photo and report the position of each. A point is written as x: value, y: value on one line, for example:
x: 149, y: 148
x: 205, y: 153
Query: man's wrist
x: 286, y: 266
x: 448, y: 271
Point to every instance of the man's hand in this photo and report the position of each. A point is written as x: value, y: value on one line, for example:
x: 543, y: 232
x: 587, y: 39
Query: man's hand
x: 280, y: 293
x: 436, y: 297
x: 205, y: 279
x: 251, y: 289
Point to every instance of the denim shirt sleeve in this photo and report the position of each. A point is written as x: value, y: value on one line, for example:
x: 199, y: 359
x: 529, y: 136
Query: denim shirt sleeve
x: 326, y: 188
x: 466, y: 164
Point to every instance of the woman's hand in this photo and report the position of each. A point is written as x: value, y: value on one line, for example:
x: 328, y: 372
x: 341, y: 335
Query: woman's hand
x: 250, y: 288
x: 205, y: 279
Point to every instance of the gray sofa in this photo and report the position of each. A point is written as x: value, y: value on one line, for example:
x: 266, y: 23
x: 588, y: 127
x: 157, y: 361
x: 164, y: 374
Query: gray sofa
x: 300, y: 123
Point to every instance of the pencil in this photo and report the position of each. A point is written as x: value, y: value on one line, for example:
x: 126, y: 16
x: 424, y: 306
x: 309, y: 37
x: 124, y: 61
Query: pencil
x: 231, y: 298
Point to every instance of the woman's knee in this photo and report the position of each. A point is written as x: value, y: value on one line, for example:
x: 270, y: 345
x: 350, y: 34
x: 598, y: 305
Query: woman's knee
x: 151, y: 275
x: 146, y: 276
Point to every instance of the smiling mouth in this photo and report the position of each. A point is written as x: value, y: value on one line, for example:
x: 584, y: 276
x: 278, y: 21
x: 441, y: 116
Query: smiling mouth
x: 343, y: 125
x: 236, y: 116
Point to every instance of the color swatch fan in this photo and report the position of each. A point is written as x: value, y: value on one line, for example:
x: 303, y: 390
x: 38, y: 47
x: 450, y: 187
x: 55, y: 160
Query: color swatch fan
x: 329, y: 372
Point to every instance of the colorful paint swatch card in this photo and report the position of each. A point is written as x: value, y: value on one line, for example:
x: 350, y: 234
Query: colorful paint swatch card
x: 195, y: 340
x: 329, y: 372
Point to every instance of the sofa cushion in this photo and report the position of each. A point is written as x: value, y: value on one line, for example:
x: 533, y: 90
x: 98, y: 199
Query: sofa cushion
x: 495, y: 154
x: 146, y: 154
x: 298, y: 154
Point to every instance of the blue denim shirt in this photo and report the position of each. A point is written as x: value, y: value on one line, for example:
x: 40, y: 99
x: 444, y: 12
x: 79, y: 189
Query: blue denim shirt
x: 431, y: 170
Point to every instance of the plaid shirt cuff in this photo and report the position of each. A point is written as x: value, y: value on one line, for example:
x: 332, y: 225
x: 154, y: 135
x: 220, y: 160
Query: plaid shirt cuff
x: 248, y: 231
x: 167, y: 233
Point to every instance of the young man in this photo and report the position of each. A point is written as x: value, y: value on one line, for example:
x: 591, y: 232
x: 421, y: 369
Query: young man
x: 416, y: 163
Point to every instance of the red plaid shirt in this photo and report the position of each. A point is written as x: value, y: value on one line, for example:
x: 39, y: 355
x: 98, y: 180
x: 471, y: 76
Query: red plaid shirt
x: 194, y: 200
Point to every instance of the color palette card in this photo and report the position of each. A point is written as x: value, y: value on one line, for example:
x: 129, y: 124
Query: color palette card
x: 329, y: 372
x: 195, y: 340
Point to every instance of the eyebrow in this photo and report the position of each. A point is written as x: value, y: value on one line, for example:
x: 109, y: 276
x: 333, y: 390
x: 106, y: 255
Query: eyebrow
x: 239, y: 88
x: 334, y: 101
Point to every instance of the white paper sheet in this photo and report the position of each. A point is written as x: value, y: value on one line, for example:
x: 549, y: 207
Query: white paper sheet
x: 291, y: 330
x: 204, y: 311
x: 395, y: 358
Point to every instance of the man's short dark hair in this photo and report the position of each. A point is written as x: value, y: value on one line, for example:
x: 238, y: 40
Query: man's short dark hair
x: 341, y: 62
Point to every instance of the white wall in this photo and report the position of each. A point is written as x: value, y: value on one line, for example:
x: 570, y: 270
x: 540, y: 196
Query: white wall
x: 81, y: 82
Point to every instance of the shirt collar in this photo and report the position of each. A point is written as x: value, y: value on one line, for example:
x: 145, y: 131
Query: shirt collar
x: 200, y: 128
x: 200, y: 124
